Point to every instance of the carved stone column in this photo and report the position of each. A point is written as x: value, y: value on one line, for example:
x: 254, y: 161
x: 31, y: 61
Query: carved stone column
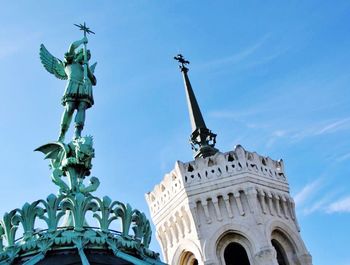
x: 253, y: 204
x: 266, y: 256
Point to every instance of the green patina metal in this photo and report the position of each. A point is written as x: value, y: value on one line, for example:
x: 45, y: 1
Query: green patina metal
x: 80, y: 76
x: 202, y: 139
x: 65, y: 215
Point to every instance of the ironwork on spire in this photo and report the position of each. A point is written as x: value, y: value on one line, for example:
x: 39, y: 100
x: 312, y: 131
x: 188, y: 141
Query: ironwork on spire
x: 202, y: 139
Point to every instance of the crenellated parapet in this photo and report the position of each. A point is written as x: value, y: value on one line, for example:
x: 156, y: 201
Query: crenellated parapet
x: 224, y: 165
x: 219, y: 167
x: 163, y: 192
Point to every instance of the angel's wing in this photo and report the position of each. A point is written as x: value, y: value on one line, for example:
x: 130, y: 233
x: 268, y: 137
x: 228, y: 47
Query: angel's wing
x: 92, y: 67
x: 51, y: 150
x: 52, y: 64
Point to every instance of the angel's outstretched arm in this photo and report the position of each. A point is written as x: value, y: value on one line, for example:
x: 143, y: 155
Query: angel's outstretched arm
x: 76, y: 44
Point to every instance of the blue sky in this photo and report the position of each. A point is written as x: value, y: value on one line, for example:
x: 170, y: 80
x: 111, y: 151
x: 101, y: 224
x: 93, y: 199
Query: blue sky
x: 272, y: 76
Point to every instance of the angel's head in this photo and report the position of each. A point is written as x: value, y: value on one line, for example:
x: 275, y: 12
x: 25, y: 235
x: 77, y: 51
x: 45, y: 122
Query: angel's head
x: 79, y: 56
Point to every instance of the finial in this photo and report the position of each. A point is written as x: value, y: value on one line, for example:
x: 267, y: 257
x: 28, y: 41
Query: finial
x: 202, y: 139
x: 182, y: 62
x: 84, y: 28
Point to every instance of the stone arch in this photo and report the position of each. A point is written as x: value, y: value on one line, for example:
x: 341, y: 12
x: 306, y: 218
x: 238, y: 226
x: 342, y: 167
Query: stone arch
x: 188, y: 258
x: 233, y: 239
x: 291, y: 235
x: 187, y: 253
x: 287, y: 243
x: 284, y: 247
x: 210, y: 244
x: 235, y: 253
x: 226, y: 234
x: 281, y: 254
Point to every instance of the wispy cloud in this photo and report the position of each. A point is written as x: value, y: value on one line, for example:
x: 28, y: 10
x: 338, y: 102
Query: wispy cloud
x: 339, y: 206
x: 275, y: 135
x: 334, y: 126
x: 307, y: 191
x: 290, y: 130
x: 343, y: 157
x: 317, y: 206
x: 266, y: 59
x: 242, y: 55
x: 321, y: 128
x: 321, y: 203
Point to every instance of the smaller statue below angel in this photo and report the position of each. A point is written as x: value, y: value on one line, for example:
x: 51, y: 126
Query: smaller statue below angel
x: 80, y: 79
x: 73, y: 161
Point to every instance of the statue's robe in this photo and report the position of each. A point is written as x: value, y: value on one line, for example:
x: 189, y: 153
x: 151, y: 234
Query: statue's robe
x: 76, y: 90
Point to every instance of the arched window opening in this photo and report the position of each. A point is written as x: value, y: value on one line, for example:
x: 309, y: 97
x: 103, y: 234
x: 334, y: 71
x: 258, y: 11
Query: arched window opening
x: 281, y: 255
x: 235, y: 254
x: 188, y: 259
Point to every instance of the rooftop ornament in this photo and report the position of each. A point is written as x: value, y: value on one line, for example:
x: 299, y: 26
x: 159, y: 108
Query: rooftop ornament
x: 202, y: 139
x: 66, y: 216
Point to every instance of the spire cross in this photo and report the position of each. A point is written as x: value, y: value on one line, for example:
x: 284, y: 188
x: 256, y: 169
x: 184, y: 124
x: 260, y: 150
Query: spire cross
x: 182, y: 61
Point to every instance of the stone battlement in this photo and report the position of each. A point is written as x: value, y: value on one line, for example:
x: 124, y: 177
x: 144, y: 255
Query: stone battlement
x: 219, y: 166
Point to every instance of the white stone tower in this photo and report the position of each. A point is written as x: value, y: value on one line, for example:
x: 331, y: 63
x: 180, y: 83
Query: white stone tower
x: 225, y: 208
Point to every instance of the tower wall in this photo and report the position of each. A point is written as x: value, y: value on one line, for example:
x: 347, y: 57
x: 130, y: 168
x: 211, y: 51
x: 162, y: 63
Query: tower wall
x: 203, y: 206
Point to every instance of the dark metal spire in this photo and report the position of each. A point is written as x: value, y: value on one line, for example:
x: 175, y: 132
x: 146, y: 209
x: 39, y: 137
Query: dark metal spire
x: 202, y: 139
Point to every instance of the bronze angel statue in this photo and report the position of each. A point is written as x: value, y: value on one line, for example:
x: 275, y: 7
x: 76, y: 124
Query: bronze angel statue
x: 80, y: 79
